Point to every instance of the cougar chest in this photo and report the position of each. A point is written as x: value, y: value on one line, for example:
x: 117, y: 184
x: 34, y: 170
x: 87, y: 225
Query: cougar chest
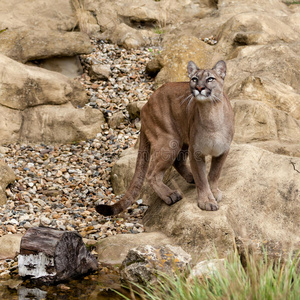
x: 213, y: 139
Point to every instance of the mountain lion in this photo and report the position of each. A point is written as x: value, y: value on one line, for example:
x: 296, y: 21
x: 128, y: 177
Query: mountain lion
x: 180, y: 120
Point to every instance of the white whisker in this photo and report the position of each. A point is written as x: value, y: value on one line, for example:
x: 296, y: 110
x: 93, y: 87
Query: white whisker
x: 216, y: 99
x: 180, y: 97
x: 190, y: 101
x: 189, y: 97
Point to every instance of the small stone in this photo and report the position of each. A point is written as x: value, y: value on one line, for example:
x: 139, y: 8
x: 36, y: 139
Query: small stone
x: 27, y: 225
x: 11, y: 228
x: 45, y: 221
x: 100, y: 72
x: 5, y: 274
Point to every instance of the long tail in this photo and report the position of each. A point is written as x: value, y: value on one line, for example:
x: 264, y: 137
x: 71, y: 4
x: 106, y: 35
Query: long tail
x: 136, y: 184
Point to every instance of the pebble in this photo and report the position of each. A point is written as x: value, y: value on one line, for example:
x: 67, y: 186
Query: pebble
x: 59, y: 185
x: 209, y: 40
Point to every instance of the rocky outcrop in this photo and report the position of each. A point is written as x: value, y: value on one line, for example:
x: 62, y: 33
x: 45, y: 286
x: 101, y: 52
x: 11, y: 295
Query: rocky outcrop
x: 27, y: 45
x: 36, y: 104
x: 260, y: 196
x: 254, y: 29
x: 131, y: 38
x: 260, y: 188
x: 40, y: 105
x: 53, y: 15
x: 31, y: 33
x: 138, y: 20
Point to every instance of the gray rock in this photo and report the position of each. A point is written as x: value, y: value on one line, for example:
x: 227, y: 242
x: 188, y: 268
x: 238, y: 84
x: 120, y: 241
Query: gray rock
x: 144, y: 263
x: 100, y: 72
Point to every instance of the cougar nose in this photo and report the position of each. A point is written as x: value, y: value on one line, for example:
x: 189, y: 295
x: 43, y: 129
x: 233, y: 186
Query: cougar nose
x: 201, y: 89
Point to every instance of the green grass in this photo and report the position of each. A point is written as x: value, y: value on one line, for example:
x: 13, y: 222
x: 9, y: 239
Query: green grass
x: 260, y: 279
x: 291, y: 2
x: 158, y: 30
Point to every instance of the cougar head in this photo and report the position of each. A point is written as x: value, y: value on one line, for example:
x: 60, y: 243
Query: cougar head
x: 207, y: 84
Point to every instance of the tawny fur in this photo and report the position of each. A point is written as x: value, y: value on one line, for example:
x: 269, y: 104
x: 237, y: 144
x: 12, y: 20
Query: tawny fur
x: 183, y: 119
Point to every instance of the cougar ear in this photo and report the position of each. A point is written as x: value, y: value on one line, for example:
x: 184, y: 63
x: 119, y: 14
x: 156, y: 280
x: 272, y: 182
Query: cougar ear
x: 220, y: 68
x: 191, y: 68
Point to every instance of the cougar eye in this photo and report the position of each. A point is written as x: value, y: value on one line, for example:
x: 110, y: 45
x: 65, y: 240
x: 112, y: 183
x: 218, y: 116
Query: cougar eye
x: 210, y: 79
x: 194, y: 79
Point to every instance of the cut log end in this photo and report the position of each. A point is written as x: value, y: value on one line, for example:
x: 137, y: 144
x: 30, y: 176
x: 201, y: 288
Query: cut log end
x: 48, y: 255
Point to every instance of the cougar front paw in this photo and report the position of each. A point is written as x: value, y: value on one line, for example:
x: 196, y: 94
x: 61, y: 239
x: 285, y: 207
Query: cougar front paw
x: 209, y: 205
x: 173, y: 198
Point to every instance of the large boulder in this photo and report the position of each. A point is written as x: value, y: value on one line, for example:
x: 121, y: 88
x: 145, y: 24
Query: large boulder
x: 279, y: 61
x: 60, y: 124
x: 176, y: 55
x: 40, y: 105
x: 131, y: 38
x: 34, y: 30
x: 252, y: 28
x: 35, y: 33
x: 208, y: 18
x: 38, y: 14
x: 26, y: 44
x: 23, y: 86
x: 10, y: 125
x: 146, y: 14
x: 268, y: 90
x: 263, y: 82
x: 257, y: 121
x: 260, y: 196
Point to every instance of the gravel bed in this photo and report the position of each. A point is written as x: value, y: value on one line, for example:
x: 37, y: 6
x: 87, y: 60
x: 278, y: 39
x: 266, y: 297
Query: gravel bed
x: 58, y: 185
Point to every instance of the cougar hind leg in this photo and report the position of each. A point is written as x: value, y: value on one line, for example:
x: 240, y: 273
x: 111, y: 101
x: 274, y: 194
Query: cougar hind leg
x: 180, y: 164
x: 161, y: 159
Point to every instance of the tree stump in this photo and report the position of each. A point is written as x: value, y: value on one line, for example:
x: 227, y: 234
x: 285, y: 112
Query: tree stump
x: 49, y: 256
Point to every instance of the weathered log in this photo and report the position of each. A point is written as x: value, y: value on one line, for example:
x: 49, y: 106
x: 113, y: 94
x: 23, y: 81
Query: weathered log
x: 48, y: 255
